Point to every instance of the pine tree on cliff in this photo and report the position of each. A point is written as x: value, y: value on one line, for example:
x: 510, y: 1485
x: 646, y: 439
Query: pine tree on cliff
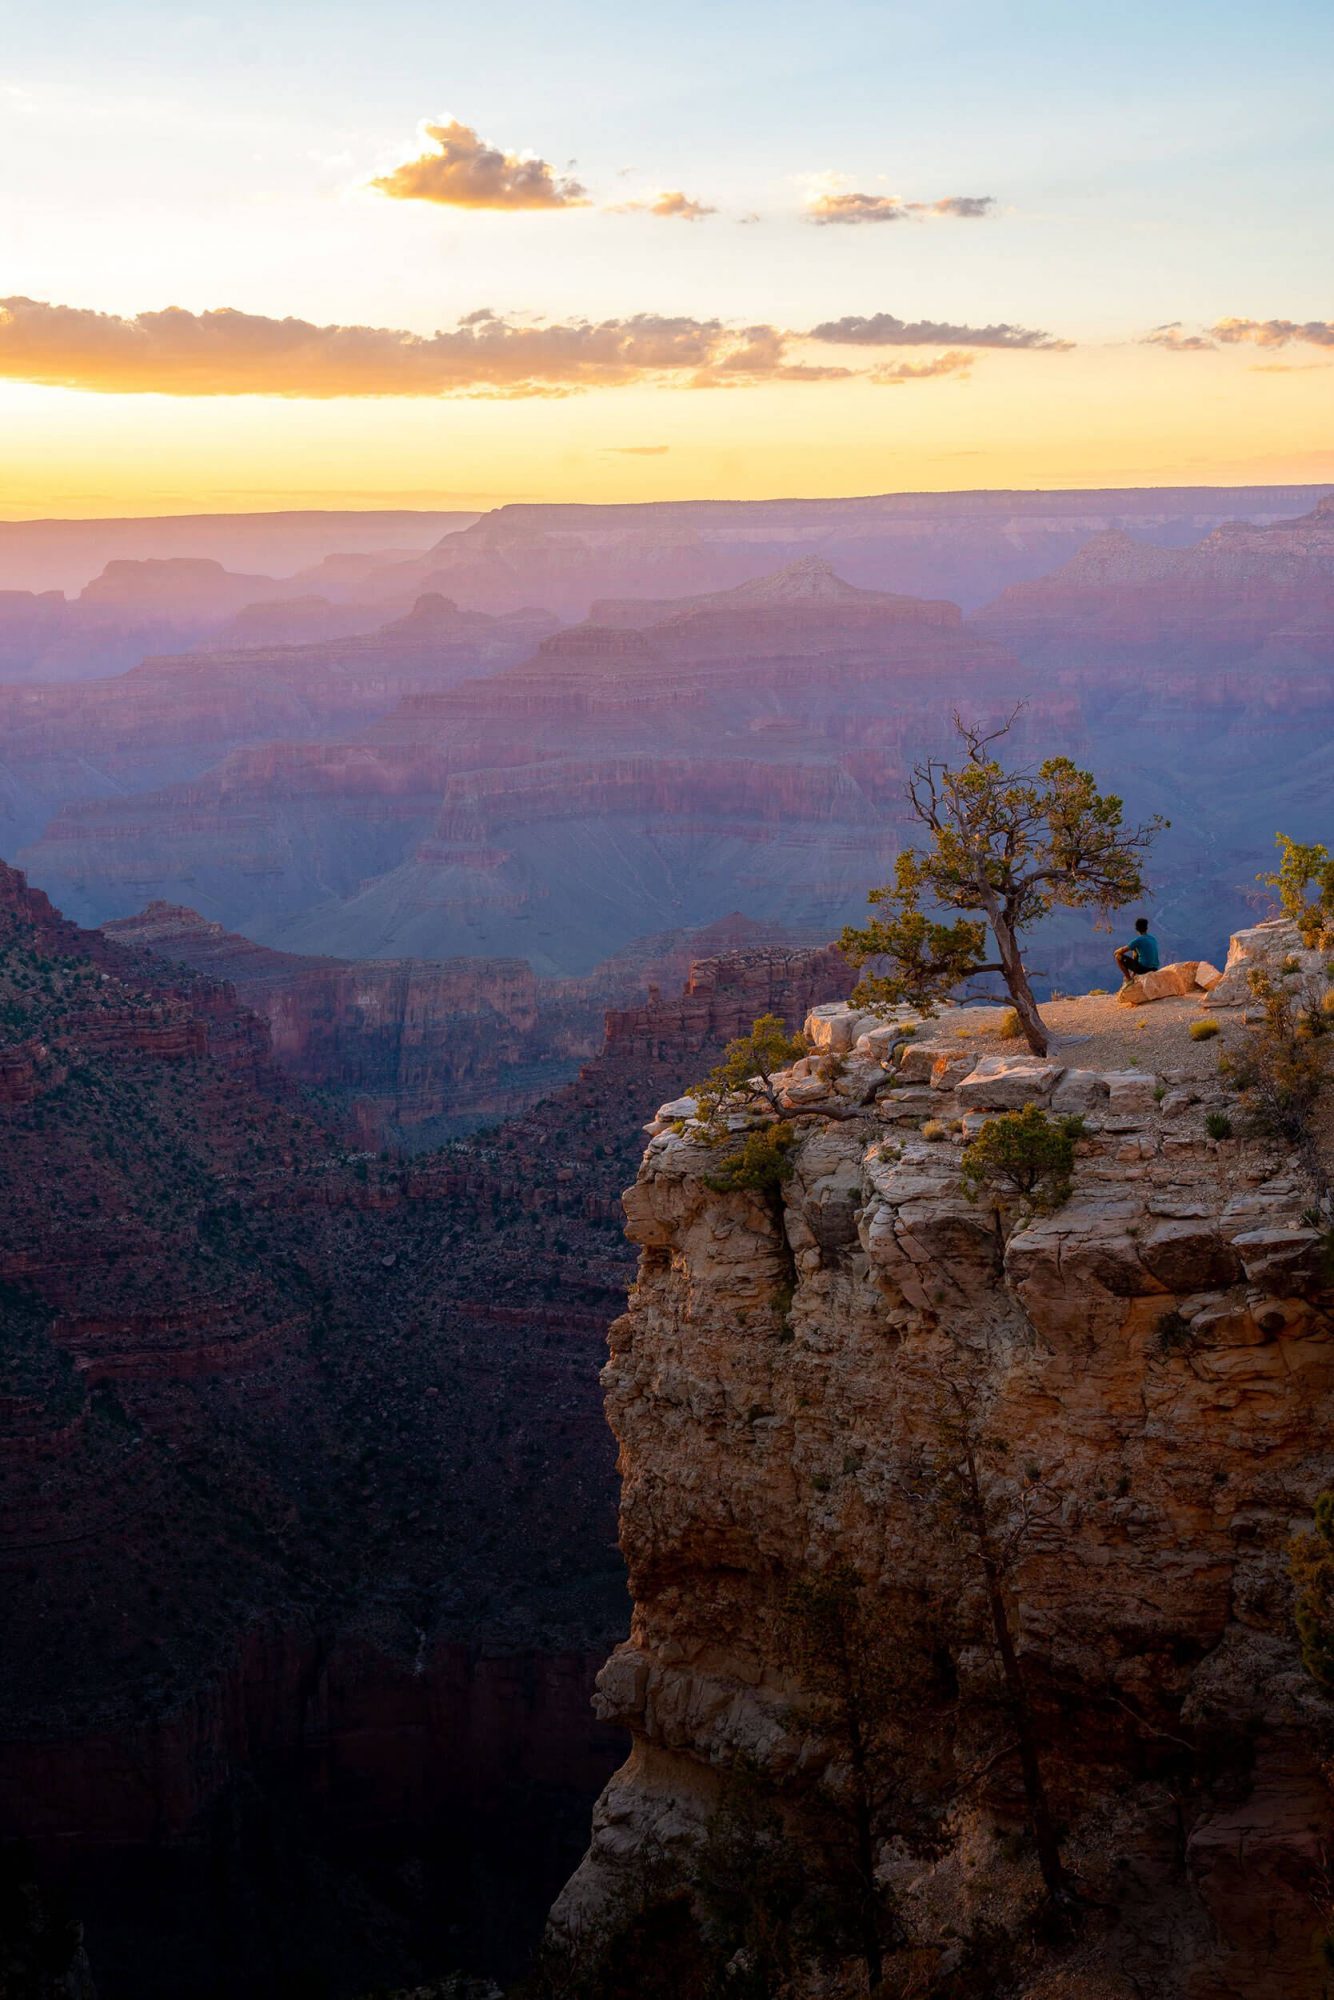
x: 1011, y: 846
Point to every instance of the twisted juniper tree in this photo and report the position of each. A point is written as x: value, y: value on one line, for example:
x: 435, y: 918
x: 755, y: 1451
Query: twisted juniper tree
x: 1008, y: 845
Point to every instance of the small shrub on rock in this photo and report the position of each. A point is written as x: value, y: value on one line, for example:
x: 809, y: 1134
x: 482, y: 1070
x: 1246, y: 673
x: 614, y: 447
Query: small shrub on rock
x: 934, y: 1128
x: 1011, y: 1027
x: 759, y: 1164
x: 1218, y: 1125
x: 1305, y: 884
x: 1022, y: 1156
x: 1204, y: 1029
x: 1174, y: 1332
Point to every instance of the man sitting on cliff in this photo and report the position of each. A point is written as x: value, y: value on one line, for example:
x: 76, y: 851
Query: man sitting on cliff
x: 1140, y: 955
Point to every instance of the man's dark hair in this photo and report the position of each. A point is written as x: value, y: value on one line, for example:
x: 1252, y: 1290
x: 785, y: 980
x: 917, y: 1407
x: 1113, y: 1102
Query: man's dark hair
x: 1141, y: 924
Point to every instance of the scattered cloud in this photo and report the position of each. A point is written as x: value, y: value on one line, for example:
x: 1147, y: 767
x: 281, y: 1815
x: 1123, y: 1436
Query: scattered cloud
x: 639, y: 450
x: 1289, y: 367
x: 846, y: 206
x: 759, y: 354
x: 227, y: 353
x: 464, y: 172
x: 1243, y: 332
x: 671, y: 203
x: 1176, y: 341
x: 886, y: 330
x: 1274, y: 332
x: 955, y: 362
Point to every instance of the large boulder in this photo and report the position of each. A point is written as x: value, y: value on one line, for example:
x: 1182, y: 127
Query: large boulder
x: 1170, y: 982
x: 1130, y: 1090
x: 836, y: 1026
x: 1272, y: 948
x: 1006, y: 1083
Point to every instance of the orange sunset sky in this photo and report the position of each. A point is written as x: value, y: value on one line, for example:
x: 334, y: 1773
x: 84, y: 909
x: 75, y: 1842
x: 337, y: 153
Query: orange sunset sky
x: 345, y: 256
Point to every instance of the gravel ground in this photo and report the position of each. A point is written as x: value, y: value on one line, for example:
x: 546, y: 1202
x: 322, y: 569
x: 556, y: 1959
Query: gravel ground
x: 1095, y: 1032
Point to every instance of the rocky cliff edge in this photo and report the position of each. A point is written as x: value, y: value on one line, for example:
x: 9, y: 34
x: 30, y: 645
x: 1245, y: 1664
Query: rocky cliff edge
x: 1147, y: 1375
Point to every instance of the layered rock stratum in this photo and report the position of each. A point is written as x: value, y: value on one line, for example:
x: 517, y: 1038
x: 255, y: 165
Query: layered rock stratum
x: 1143, y: 1383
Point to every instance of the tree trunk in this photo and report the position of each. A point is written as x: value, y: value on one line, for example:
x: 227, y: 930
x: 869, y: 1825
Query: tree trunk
x: 868, y: 1915
x: 1035, y: 1792
x: 1040, y: 1820
x: 1025, y: 1006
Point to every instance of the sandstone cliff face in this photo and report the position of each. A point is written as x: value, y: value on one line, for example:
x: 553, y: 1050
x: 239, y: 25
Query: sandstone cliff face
x: 407, y: 1044
x: 1148, y: 1377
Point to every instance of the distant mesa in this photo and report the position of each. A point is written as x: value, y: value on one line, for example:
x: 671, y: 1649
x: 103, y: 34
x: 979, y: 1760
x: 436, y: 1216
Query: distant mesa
x: 807, y: 581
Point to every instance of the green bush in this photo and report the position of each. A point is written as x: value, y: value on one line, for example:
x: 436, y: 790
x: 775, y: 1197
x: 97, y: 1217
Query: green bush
x: 760, y: 1164
x: 1204, y: 1029
x: 1022, y: 1156
x: 1218, y: 1125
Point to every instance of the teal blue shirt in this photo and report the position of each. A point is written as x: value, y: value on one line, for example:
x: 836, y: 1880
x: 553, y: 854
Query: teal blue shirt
x: 1145, y: 947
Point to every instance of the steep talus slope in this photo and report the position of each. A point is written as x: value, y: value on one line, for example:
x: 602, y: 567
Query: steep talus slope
x: 306, y: 1503
x: 1140, y: 1386
x: 305, y: 1510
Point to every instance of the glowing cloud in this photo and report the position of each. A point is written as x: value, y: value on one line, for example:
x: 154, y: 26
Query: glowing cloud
x: 885, y: 330
x: 895, y: 373
x: 836, y: 207
x: 464, y: 172
x: 1172, y: 337
x: 228, y: 353
x: 671, y: 203
x: 1274, y: 332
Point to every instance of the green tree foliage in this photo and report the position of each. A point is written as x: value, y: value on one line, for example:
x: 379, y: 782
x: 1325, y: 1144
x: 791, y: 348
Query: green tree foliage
x: 1281, y: 1071
x: 746, y: 1073
x: 1024, y: 1157
x: 1007, y: 847
x: 1304, y: 881
x: 761, y: 1163
x: 1311, y: 1564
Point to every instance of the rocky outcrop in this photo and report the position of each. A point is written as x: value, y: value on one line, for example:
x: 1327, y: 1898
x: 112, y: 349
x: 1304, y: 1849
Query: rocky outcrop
x: 1126, y: 1402
x: 722, y: 998
x: 1273, y: 949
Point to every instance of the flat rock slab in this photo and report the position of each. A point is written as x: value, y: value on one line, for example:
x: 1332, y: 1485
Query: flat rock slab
x: 1007, y: 1083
